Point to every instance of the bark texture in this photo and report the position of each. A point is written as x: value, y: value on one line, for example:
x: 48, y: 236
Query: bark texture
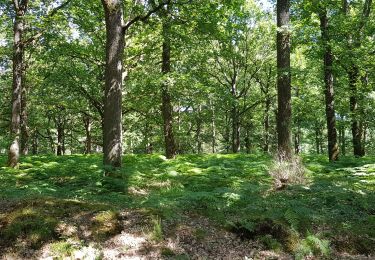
x: 112, y: 118
x: 284, y: 113
x: 333, y: 148
x: 166, y: 106
x: 20, y: 8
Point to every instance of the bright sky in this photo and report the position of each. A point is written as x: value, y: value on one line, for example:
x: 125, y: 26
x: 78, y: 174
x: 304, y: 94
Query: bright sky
x: 267, y: 5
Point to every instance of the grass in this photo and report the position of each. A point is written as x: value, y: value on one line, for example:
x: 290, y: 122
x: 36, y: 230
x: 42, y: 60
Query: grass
x: 334, y: 210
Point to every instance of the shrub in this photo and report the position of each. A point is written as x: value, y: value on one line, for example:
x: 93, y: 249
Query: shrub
x: 286, y: 171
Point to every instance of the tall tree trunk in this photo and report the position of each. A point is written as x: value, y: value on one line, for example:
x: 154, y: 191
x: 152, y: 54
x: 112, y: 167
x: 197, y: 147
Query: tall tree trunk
x: 112, y: 120
x: 199, y: 130
x: 297, y: 140
x: 51, y: 141
x: 317, y: 139
x: 35, y: 143
x: 266, y: 124
x: 363, y: 128
x: 284, y: 114
x: 354, y: 75
x: 20, y: 8
x: 166, y: 107
x: 25, y: 134
x: 235, y: 131
x: 248, y: 139
x: 88, y: 141
x: 333, y: 148
x: 342, y: 140
x: 60, y: 139
x: 213, y: 129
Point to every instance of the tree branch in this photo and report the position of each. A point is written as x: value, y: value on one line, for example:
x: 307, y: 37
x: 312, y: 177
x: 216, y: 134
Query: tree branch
x: 144, y: 18
x: 51, y: 14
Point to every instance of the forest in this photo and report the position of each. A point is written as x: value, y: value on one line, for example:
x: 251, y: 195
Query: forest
x: 187, y: 129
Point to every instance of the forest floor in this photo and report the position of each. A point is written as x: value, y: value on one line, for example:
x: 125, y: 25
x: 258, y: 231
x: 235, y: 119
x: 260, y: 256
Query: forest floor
x: 193, y: 207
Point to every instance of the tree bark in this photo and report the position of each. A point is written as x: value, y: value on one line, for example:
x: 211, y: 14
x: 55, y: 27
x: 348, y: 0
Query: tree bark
x: 166, y: 107
x: 317, y: 139
x: 236, y: 142
x: 35, y: 144
x: 60, y: 139
x: 213, y: 129
x: 20, y: 8
x: 284, y: 114
x: 25, y: 133
x: 353, y: 74
x: 333, y: 148
x: 199, y: 130
x: 266, y: 123
x: 88, y: 141
x: 112, y: 119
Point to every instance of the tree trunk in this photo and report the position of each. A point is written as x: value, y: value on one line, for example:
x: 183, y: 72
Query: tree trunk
x: 166, y: 107
x: 248, y: 139
x: 199, y: 130
x: 353, y: 74
x: 363, y: 128
x: 112, y: 120
x: 60, y: 139
x: 35, y: 144
x: 25, y: 134
x: 342, y: 140
x: 88, y: 141
x: 235, y: 131
x: 18, y: 53
x: 297, y: 140
x: 266, y: 123
x: 333, y: 149
x: 213, y: 129
x: 284, y: 114
x: 317, y: 139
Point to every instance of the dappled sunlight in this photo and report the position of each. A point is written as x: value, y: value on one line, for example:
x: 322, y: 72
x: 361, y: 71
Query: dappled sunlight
x: 70, y: 198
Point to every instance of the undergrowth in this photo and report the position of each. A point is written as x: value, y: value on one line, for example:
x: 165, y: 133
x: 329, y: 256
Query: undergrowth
x: 333, y: 212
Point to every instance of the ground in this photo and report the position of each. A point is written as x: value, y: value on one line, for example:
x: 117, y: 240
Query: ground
x: 193, y: 207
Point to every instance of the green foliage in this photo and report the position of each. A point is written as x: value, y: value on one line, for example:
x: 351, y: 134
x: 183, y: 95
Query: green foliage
x: 233, y: 191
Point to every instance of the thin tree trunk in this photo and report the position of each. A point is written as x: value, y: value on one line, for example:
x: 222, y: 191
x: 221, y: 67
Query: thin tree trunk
x: 199, y: 130
x: 35, y: 143
x: 167, y: 109
x: 333, y: 148
x: 317, y: 139
x: 88, y: 141
x: 266, y: 123
x: 25, y: 133
x: 18, y: 53
x: 356, y: 133
x: 235, y: 131
x: 248, y: 139
x: 284, y: 114
x: 213, y: 129
x: 112, y: 121
x: 342, y: 140
x: 60, y: 139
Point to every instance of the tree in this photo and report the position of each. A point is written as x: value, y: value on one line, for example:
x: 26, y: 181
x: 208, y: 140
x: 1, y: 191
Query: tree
x: 112, y: 121
x: 284, y: 113
x: 166, y: 107
x: 333, y: 151
x: 20, y: 8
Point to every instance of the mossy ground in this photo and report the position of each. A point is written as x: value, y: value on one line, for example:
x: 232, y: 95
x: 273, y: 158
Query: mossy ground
x: 333, y: 211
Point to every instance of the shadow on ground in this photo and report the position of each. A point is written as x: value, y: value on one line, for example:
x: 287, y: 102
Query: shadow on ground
x: 62, y: 205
